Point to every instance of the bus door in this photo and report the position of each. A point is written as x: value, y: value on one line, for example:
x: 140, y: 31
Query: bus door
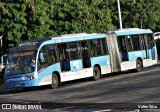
x: 144, y: 46
x: 74, y: 56
x: 85, y: 54
x: 69, y: 57
x: 153, y: 50
x: 122, y: 44
x: 151, y: 47
x: 114, y: 52
x: 64, y: 57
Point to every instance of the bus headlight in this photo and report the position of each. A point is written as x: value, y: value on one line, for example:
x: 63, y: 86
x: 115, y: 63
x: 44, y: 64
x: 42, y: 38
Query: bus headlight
x: 30, y: 77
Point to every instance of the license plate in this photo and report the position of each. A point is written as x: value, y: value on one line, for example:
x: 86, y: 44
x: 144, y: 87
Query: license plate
x: 17, y: 85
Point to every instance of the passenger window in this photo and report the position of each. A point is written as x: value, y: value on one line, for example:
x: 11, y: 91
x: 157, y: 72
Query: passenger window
x: 64, y: 57
x: 129, y: 43
x: 73, y: 50
x: 135, y: 40
x: 52, y: 58
x: 85, y: 50
x: 150, y: 41
x: 96, y: 49
x: 43, y: 60
x: 64, y: 54
x: 104, y: 46
x: 122, y: 44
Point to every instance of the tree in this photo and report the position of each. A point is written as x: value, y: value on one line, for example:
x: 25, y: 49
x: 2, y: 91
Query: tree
x: 38, y: 21
x: 27, y: 19
x: 133, y: 11
x: 79, y: 16
x: 12, y: 24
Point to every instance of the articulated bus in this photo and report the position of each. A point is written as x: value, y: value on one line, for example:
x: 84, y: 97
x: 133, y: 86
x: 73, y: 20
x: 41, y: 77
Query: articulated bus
x: 52, y: 60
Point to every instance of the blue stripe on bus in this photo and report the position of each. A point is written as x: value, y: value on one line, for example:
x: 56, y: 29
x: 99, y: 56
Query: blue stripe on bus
x: 142, y: 54
x: 76, y: 65
x: 133, y: 32
x: 100, y: 60
x: 49, y: 70
x: 77, y: 38
x: 134, y: 55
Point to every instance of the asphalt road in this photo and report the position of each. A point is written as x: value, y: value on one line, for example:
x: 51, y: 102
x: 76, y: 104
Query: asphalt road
x: 112, y: 92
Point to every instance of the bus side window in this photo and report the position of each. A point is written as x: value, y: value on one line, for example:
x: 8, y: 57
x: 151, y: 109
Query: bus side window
x: 142, y: 43
x: 150, y: 41
x: 104, y: 46
x: 64, y: 57
x: 52, y: 58
x: 136, y: 41
x: 42, y: 61
x: 123, y: 47
x: 96, y: 49
x: 63, y: 52
x: 129, y: 43
x: 73, y: 50
x: 122, y: 44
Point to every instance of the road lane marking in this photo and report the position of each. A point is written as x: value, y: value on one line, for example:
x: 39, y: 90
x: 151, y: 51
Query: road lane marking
x: 65, y: 108
x: 107, y: 110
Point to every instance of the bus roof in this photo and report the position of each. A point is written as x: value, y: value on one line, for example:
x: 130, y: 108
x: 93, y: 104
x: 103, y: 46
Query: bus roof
x: 29, y: 45
x: 73, y: 35
x: 130, y: 31
x: 34, y: 44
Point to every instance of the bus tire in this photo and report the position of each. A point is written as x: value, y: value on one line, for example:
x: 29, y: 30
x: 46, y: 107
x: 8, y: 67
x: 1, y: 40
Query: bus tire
x: 55, y: 81
x: 139, y: 66
x: 96, y: 73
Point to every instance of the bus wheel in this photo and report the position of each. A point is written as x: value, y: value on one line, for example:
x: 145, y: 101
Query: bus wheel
x: 55, y: 81
x: 96, y: 73
x: 139, y: 66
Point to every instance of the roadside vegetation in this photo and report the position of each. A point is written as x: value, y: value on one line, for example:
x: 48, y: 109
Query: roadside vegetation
x: 30, y: 19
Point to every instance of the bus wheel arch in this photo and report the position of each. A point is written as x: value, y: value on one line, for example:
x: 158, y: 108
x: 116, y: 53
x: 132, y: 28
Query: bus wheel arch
x: 96, y: 72
x: 139, y: 64
x: 56, y: 80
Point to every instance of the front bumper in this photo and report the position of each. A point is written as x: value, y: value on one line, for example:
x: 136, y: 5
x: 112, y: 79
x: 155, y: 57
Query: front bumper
x: 21, y: 84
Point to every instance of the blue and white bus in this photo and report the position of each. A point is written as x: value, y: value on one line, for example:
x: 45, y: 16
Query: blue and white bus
x: 52, y: 60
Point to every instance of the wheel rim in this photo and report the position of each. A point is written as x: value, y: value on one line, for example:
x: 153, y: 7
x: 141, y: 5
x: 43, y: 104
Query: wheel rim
x: 54, y: 81
x: 95, y: 73
x: 139, y: 66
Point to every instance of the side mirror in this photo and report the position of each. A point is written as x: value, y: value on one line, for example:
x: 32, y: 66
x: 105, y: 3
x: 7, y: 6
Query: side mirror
x: 41, y: 58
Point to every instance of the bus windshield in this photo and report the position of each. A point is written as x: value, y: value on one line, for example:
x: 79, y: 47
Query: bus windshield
x: 20, y: 62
